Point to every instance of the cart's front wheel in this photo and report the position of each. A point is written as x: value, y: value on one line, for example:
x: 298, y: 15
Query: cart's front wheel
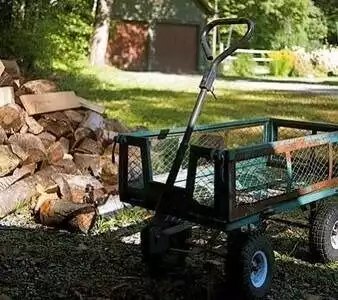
x: 250, y: 265
x: 324, y: 234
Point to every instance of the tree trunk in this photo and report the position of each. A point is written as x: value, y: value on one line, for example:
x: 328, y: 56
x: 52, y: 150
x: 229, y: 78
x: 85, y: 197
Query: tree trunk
x: 101, y: 33
x: 6, y: 11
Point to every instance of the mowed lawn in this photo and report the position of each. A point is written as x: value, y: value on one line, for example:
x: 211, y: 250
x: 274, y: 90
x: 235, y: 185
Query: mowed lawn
x: 159, y: 106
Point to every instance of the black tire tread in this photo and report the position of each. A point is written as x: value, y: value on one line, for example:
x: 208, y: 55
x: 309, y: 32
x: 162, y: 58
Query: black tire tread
x: 321, y: 228
x: 240, y: 251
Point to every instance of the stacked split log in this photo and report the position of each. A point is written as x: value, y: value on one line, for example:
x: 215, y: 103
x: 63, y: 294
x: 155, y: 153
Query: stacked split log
x: 55, y: 152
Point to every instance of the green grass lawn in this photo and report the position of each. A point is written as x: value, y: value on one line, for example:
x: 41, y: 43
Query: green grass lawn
x: 157, y: 108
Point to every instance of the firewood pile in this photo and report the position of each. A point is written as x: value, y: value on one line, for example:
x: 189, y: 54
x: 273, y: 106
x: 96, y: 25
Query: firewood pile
x: 55, y: 152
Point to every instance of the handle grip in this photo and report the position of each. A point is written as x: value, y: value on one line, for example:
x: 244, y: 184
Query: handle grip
x: 231, y: 48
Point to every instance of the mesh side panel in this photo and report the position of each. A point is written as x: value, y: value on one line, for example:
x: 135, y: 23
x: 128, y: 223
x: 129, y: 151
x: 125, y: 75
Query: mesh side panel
x: 229, y: 138
x: 260, y: 178
x: 335, y: 160
x: 285, y: 133
x: 310, y: 165
x: 204, y: 183
x: 135, y: 175
x: 268, y: 176
x: 163, y: 152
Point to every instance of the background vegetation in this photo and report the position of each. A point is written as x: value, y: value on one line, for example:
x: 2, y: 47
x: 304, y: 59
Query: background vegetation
x: 38, y: 33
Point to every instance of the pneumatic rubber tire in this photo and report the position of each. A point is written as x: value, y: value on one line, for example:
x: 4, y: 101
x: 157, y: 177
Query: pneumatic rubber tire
x: 324, y: 234
x: 248, y: 278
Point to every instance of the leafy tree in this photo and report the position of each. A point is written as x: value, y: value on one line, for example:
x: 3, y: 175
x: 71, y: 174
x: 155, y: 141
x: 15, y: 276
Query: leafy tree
x: 36, y: 33
x: 330, y: 9
x: 280, y: 23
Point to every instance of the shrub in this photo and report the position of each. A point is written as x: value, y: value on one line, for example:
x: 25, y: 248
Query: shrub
x: 283, y: 62
x: 303, y: 65
x: 325, y: 60
x: 49, y: 31
x: 244, y: 65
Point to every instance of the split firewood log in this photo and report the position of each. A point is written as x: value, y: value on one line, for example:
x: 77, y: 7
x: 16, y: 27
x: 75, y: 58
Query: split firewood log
x: 56, y: 116
x: 47, y: 139
x: 40, y: 86
x: 74, y: 116
x: 64, y: 188
x: 11, y: 67
x: 18, y: 174
x: 31, y: 144
x: 3, y: 136
x: 65, y: 144
x: 78, y: 185
x: 19, y: 152
x: 89, y: 146
x: 67, y: 166
x: 11, y: 118
x: 88, y: 163
x: 80, y: 134
x: 109, y: 170
x: 21, y: 192
x: 55, y: 153
x: 8, y: 160
x: 56, y: 127
x: 6, y: 79
x: 24, y: 128
x: 33, y: 126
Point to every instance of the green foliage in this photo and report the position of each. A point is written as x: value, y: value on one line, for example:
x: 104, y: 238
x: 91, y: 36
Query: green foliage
x: 281, y: 23
x: 244, y: 65
x: 283, y: 63
x: 41, y: 32
x: 330, y: 9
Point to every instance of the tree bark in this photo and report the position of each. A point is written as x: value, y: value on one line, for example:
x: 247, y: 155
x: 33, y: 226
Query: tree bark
x: 100, y: 36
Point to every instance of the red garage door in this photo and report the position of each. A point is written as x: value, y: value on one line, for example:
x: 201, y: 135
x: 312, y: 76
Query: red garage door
x: 176, y: 48
x: 127, y: 49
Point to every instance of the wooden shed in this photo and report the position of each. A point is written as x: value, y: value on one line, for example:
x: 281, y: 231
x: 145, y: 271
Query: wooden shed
x: 156, y: 35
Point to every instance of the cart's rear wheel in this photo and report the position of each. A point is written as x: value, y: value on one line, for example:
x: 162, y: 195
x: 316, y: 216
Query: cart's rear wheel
x: 324, y: 234
x: 250, y: 265
x: 155, y: 247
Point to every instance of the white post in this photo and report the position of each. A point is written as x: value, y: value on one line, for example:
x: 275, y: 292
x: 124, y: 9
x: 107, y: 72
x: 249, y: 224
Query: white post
x: 214, y: 34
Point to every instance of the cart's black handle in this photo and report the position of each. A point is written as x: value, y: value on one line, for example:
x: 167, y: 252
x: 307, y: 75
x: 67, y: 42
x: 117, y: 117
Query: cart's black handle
x: 231, y: 48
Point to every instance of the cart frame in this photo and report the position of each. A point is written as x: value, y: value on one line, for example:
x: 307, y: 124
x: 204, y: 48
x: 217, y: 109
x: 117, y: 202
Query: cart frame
x: 224, y: 215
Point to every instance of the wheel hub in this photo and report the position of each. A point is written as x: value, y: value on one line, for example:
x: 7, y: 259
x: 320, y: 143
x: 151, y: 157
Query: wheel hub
x: 259, y: 269
x: 334, y: 236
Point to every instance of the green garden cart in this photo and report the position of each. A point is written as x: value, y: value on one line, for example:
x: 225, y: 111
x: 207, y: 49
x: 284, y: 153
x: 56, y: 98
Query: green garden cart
x: 231, y: 178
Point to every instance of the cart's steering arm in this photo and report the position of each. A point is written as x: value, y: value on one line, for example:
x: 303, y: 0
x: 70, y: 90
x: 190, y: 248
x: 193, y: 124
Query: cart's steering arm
x: 205, y: 86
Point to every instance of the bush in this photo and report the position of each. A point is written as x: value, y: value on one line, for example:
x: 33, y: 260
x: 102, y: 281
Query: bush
x: 283, y: 62
x: 303, y: 65
x: 48, y: 31
x: 325, y: 60
x: 244, y: 65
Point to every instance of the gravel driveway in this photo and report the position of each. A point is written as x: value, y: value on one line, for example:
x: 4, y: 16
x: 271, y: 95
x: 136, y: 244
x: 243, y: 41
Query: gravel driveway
x: 190, y: 83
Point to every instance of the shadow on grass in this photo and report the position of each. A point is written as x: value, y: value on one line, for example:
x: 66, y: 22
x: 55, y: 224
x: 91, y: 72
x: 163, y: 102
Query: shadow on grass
x: 38, y: 264
x: 162, y: 108
x: 47, y: 264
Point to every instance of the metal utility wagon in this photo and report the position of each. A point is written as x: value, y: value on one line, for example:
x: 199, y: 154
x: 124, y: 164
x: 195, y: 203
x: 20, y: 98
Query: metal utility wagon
x: 232, y: 177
